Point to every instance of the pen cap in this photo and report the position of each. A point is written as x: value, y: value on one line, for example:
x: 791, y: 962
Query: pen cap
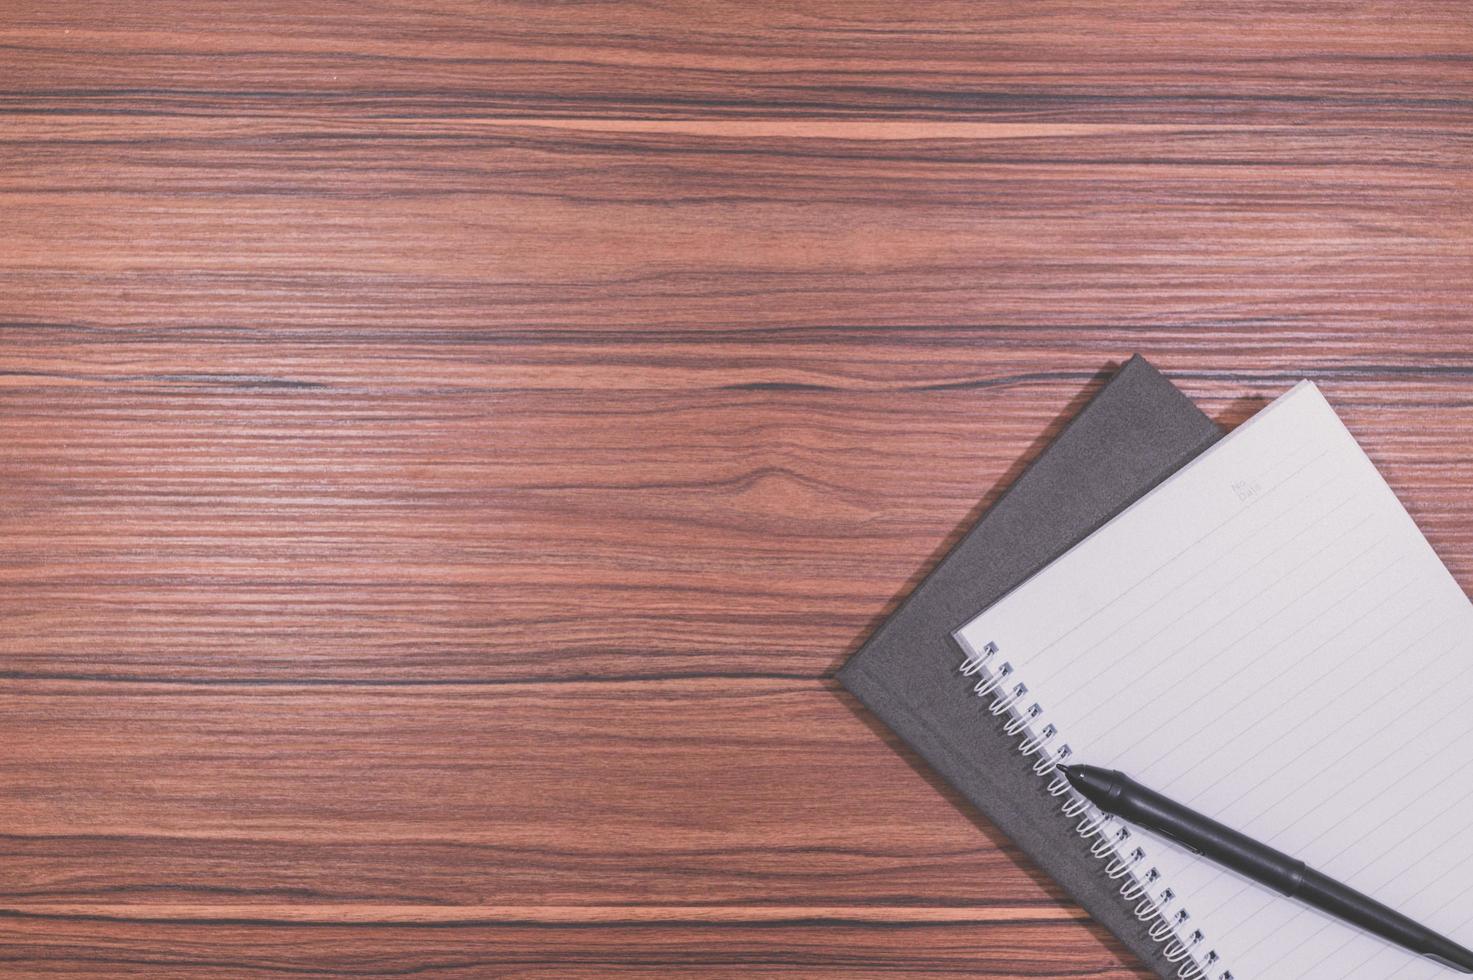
x: 1192, y: 830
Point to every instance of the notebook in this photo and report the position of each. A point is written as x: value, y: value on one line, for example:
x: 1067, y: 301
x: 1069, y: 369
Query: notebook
x: 1131, y: 435
x: 1267, y: 638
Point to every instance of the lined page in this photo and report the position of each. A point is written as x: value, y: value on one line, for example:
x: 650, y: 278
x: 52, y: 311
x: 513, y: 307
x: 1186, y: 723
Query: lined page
x: 1268, y: 638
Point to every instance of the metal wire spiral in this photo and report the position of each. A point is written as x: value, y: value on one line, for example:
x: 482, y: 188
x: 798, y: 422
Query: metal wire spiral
x: 1109, y: 838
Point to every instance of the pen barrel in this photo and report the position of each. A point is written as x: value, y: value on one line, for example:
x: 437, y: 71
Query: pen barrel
x: 1366, y: 913
x: 1147, y: 808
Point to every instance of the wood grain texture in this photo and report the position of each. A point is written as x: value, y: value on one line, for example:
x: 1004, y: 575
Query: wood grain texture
x: 446, y: 448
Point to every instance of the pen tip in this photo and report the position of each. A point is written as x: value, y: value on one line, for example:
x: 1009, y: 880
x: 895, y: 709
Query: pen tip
x: 1068, y: 772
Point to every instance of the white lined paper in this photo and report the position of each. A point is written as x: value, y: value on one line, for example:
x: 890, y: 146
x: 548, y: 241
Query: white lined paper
x: 1268, y: 638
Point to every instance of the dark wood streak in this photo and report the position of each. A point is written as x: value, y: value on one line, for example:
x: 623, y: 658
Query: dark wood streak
x: 446, y: 449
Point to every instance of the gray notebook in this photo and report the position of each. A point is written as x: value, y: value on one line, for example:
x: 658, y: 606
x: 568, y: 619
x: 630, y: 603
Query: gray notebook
x: 1137, y: 431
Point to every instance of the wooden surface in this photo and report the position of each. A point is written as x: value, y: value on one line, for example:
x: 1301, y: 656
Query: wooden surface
x: 446, y: 449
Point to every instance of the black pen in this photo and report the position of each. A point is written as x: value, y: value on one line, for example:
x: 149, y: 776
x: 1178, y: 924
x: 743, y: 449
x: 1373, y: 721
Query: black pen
x: 1117, y: 793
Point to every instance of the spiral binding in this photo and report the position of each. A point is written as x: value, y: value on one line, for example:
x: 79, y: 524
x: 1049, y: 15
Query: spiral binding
x: 1168, y: 924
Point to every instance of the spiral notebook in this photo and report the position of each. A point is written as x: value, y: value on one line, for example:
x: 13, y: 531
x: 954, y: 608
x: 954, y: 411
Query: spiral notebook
x: 1267, y: 638
x: 1135, y: 432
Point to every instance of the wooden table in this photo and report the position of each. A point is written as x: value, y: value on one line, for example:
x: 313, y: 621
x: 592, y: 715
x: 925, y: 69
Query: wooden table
x: 446, y: 449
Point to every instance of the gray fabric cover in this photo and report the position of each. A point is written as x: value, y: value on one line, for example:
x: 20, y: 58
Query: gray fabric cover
x: 1134, y: 433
